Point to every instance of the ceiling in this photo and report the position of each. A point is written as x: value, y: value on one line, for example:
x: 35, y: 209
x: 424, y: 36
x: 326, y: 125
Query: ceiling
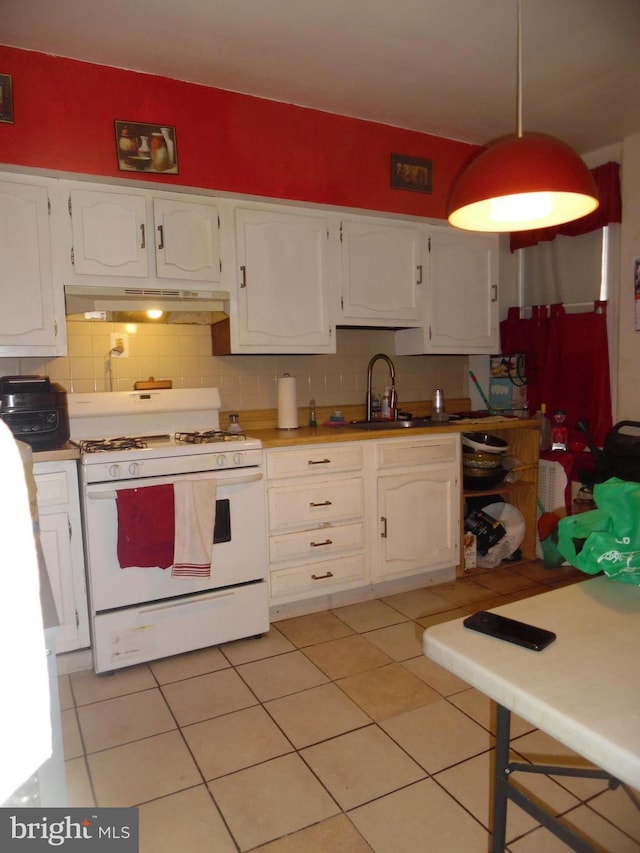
x: 446, y: 67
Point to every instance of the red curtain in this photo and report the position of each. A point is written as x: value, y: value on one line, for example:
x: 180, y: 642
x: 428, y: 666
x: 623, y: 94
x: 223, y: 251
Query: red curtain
x: 566, y: 363
x: 607, y: 179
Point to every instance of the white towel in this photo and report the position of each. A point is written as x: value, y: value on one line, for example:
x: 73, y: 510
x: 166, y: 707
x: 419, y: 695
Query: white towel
x: 195, y: 517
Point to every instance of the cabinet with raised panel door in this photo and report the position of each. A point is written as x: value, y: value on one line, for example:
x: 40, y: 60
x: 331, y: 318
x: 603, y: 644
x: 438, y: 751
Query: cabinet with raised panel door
x: 127, y: 235
x: 418, y: 505
x: 280, y: 285
x: 459, y: 298
x: 382, y: 263
x: 31, y: 295
x: 61, y: 538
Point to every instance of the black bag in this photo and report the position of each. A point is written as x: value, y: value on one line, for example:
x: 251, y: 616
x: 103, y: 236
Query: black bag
x: 621, y: 451
x: 620, y: 454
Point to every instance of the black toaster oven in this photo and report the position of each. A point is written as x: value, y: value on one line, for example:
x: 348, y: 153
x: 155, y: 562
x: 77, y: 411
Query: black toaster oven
x: 35, y: 410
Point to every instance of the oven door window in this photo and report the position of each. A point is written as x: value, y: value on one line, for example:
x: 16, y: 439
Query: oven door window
x: 222, y: 529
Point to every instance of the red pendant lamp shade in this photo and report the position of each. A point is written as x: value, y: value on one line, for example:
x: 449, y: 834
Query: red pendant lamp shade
x: 521, y: 183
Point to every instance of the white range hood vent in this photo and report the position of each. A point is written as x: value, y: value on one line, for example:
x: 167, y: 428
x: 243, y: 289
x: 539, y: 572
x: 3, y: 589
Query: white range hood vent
x: 137, y: 300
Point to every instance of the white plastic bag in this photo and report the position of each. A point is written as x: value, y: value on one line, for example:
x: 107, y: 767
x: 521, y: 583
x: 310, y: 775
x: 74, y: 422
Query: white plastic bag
x: 513, y: 522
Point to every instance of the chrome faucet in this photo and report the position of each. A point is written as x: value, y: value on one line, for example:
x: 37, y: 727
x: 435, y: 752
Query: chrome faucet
x: 393, y: 400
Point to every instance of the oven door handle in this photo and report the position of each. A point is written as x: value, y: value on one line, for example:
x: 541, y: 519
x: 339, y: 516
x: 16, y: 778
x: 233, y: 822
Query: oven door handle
x: 232, y: 481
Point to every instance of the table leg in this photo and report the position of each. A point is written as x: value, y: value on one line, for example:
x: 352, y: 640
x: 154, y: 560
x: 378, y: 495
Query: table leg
x: 500, y: 780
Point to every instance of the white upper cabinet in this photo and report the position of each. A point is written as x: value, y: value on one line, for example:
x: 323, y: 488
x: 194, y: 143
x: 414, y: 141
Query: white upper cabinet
x: 109, y: 233
x: 137, y: 234
x: 382, y: 267
x: 187, y: 239
x: 281, y: 281
x: 459, y: 303
x: 31, y: 295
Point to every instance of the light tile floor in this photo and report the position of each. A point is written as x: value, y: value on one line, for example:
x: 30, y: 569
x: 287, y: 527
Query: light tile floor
x: 331, y: 734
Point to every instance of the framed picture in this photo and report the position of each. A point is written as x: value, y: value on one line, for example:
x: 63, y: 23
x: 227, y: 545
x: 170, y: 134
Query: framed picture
x: 6, y: 98
x: 411, y: 173
x: 146, y: 147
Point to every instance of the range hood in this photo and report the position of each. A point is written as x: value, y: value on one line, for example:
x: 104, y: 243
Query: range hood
x: 130, y: 304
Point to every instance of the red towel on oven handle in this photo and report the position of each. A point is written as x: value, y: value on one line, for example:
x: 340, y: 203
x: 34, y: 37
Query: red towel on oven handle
x: 146, y: 527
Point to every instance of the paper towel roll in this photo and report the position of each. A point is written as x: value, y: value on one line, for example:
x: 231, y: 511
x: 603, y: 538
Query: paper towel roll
x: 287, y: 403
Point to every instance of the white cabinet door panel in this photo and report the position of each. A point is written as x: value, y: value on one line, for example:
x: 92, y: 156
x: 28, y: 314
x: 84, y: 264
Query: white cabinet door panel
x: 28, y: 319
x: 382, y: 266
x: 187, y: 242
x: 109, y: 233
x: 283, y: 303
x: 418, y: 522
x: 464, y: 297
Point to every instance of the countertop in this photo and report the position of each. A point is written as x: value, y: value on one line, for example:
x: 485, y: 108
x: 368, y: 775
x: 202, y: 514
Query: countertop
x: 62, y: 454
x: 273, y: 437
x: 270, y: 436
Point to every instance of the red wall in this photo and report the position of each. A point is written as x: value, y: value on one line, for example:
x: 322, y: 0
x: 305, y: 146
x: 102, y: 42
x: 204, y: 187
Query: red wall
x: 65, y: 110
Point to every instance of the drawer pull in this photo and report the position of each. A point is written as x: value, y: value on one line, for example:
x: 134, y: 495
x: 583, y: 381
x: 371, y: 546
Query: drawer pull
x: 321, y: 577
x: 320, y: 544
x: 319, y: 462
x: 383, y: 535
x: 320, y: 503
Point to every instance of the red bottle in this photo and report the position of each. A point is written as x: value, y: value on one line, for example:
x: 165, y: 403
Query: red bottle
x: 559, y: 432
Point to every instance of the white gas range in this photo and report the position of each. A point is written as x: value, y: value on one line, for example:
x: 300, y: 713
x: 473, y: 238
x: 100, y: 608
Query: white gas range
x: 158, y: 479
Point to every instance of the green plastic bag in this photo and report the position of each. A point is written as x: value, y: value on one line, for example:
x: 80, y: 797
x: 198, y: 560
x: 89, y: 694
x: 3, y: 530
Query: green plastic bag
x: 606, y: 539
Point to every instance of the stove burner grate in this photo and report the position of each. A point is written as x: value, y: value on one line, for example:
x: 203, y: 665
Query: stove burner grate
x: 208, y: 437
x: 103, y: 445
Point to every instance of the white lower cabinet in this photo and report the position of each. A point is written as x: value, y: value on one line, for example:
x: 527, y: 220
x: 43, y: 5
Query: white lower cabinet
x: 61, y: 539
x: 315, y: 500
x: 346, y: 516
x: 418, y: 506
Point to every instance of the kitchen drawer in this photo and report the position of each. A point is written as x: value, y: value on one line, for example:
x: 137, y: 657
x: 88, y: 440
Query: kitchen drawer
x: 316, y: 544
x: 403, y: 454
x: 310, y: 506
x: 321, y: 578
x: 53, y: 489
x: 314, y: 460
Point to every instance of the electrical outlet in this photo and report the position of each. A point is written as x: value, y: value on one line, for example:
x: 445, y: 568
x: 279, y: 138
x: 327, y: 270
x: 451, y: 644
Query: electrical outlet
x: 119, y: 345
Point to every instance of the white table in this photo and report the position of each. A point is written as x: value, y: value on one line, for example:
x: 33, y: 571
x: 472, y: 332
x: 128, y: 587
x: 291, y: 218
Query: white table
x: 583, y: 690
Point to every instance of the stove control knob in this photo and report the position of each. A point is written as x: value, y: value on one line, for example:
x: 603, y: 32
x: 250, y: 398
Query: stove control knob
x: 115, y: 470
x: 238, y: 459
x: 221, y: 460
x: 134, y: 468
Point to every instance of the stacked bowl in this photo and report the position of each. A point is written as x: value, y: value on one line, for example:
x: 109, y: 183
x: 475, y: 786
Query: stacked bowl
x: 482, y: 460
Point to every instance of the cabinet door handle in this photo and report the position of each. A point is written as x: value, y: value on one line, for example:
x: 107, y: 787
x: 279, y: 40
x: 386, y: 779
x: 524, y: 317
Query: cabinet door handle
x: 321, y: 577
x: 494, y: 292
x: 143, y: 238
x: 243, y: 281
x: 320, y: 544
x: 419, y: 269
x: 318, y: 462
x: 383, y: 519
x: 161, y: 232
x: 320, y: 503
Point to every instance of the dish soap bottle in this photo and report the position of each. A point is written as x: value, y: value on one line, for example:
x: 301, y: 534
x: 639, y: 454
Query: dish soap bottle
x: 385, y: 409
x: 559, y: 432
x: 312, y: 413
x: 545, y: 427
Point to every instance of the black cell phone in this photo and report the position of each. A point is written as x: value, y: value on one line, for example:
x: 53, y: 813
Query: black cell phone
x: 510, y: 630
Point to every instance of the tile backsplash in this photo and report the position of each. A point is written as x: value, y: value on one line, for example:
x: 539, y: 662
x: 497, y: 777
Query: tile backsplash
x: 182, y: 353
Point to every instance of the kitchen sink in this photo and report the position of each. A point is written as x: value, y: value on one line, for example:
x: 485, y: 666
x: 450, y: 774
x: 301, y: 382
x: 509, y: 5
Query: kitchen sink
x: 414, y: 423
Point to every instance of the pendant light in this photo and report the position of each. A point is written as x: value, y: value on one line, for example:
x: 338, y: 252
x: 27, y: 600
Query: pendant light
x: 521, y: 182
